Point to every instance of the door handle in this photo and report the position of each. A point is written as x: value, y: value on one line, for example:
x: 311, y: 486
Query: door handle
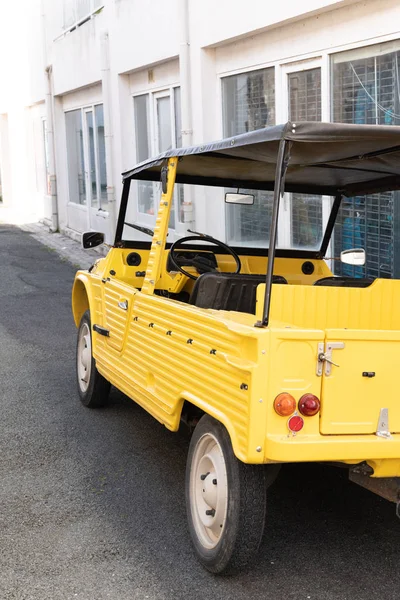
x: 325, y: 356
x: 123, y: 304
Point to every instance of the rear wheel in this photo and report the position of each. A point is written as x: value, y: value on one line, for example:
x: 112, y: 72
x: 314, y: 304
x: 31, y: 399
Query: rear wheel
x: 225, y: 500
x: 93, y: 389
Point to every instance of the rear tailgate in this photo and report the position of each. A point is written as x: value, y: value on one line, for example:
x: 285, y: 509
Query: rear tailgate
x: 366, y: 381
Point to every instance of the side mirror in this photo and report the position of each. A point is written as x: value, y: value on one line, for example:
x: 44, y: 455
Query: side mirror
x: 239, y: 198
x: 90, y: 239
x: 354, y: 257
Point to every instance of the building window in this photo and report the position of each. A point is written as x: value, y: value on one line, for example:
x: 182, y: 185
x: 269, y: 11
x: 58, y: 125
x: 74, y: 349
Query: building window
x: 77, y: 12
x: 86, y: 156
x: 157, y: 118
x: 304, y: 92
x: 248, y: 103
x: 305, y: 95
x: 143, y: 151
x: 366, y: 89
x: 75, y: 153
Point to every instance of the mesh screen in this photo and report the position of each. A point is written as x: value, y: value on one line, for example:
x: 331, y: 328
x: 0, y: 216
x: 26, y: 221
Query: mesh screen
x: 367, y: 90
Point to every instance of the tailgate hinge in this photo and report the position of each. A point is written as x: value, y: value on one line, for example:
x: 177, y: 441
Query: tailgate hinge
x: 324, y: 355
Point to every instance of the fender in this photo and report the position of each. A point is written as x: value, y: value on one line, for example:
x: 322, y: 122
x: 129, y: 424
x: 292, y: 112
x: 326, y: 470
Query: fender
x: 81, y: 296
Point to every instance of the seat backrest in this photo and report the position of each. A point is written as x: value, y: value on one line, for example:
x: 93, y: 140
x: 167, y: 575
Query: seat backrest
x: 229, y: 291
x: 356, y: 282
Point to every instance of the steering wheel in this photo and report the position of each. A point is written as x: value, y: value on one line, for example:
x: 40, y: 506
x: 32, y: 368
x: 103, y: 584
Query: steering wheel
x: 201, y: 263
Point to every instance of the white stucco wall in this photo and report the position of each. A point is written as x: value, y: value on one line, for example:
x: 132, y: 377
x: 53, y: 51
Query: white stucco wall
x: 144, y: 43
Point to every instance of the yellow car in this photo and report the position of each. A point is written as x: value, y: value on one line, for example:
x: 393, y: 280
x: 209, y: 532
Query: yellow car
x: 265, y: 354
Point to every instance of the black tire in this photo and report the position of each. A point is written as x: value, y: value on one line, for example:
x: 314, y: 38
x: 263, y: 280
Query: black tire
x: 94, y: 391
x: 245, y: 504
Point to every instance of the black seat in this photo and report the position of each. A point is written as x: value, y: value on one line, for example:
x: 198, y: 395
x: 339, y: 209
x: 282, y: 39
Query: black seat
x: 228, y: 291
x: 354, y: 282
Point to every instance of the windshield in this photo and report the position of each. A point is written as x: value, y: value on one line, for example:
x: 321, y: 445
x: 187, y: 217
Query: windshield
x: 300, y: 225
x: 302, y: 217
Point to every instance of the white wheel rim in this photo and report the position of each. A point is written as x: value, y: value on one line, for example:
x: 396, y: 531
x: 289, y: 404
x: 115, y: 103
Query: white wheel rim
x: 84, y: 357
x: 208, y: 491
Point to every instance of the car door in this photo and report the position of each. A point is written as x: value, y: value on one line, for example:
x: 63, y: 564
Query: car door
x: 117, y: 301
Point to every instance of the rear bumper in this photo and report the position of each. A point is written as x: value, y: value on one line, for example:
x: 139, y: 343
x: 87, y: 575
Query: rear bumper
x: 316, y: 448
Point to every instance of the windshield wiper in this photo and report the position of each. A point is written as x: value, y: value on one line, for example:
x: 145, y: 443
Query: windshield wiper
x: 145, y: 230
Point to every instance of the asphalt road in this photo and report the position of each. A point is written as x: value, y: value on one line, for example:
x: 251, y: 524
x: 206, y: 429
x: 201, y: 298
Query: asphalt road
x: 91, y: 502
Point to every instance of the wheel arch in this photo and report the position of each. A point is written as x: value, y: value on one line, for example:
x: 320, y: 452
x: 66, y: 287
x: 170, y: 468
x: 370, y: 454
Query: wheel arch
x: 195, y: 408
x: 80, y: 298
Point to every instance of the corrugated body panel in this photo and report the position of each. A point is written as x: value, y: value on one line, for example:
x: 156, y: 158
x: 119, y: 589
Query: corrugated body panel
x: 175, y: 352
x: 319, y: 307
x: 115, y: 318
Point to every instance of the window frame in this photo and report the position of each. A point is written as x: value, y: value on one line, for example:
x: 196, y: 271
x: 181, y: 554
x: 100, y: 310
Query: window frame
x: 220, y: 218
x: 308, y: 64
x: 166, y: 91
x: 100, y: 207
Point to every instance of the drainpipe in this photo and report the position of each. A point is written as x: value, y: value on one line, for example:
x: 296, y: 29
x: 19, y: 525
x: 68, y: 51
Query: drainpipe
x: 185, y: 74
x: 186, y: 100
x: 108, y: 131
x: 52, y: 176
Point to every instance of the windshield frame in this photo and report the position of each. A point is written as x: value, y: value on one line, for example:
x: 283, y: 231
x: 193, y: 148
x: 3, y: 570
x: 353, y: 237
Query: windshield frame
x: 241, y: 250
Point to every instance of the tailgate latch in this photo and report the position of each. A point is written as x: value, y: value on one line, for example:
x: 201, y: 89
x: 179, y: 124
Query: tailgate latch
x: 325, y: 356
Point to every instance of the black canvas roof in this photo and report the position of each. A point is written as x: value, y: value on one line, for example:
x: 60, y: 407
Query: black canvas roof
x: 325, y: 158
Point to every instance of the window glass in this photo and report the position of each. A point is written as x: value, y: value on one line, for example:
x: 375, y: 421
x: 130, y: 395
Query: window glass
x: 305, y: 95
x: 179, y: 188
x: 309, y: 236
x: 92, y: 154
x: 366, y: 222
x: 305, y: 105
x: 178, y: 117
x: 144, y: 188
x: 366, y: 89
x: 248, y: 102
x: 142, y: 127
x: 75, y: 157
x: 167, y: 133
x: 101, y: 153
x: 164, y: 129
x: 164, y: 137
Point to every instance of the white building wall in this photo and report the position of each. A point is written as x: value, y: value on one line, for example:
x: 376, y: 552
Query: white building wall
x: 144, y: 43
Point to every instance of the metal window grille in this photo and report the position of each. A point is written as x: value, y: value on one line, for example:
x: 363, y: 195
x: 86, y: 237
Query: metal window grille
x: 367, y: 90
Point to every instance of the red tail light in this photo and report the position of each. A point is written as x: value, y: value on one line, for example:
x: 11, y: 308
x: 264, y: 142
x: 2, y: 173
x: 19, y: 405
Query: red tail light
x: 309, y: 405
x: 284, y: 404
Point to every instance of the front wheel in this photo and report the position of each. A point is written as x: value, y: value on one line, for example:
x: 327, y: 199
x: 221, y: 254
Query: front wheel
x: 225, y: 500
x: 93, y: 389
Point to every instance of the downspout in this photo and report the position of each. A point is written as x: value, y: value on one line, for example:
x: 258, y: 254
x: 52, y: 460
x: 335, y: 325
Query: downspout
x: 185, y: 73
x: 52, y: 175
x: 186, y: 99
x: 108, y: 131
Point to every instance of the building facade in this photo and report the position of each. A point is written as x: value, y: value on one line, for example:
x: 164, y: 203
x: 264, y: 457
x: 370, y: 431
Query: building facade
x: 100, y: 85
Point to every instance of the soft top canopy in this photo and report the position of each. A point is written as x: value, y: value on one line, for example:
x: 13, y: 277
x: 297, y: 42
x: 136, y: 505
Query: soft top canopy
x: 325, y: 158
